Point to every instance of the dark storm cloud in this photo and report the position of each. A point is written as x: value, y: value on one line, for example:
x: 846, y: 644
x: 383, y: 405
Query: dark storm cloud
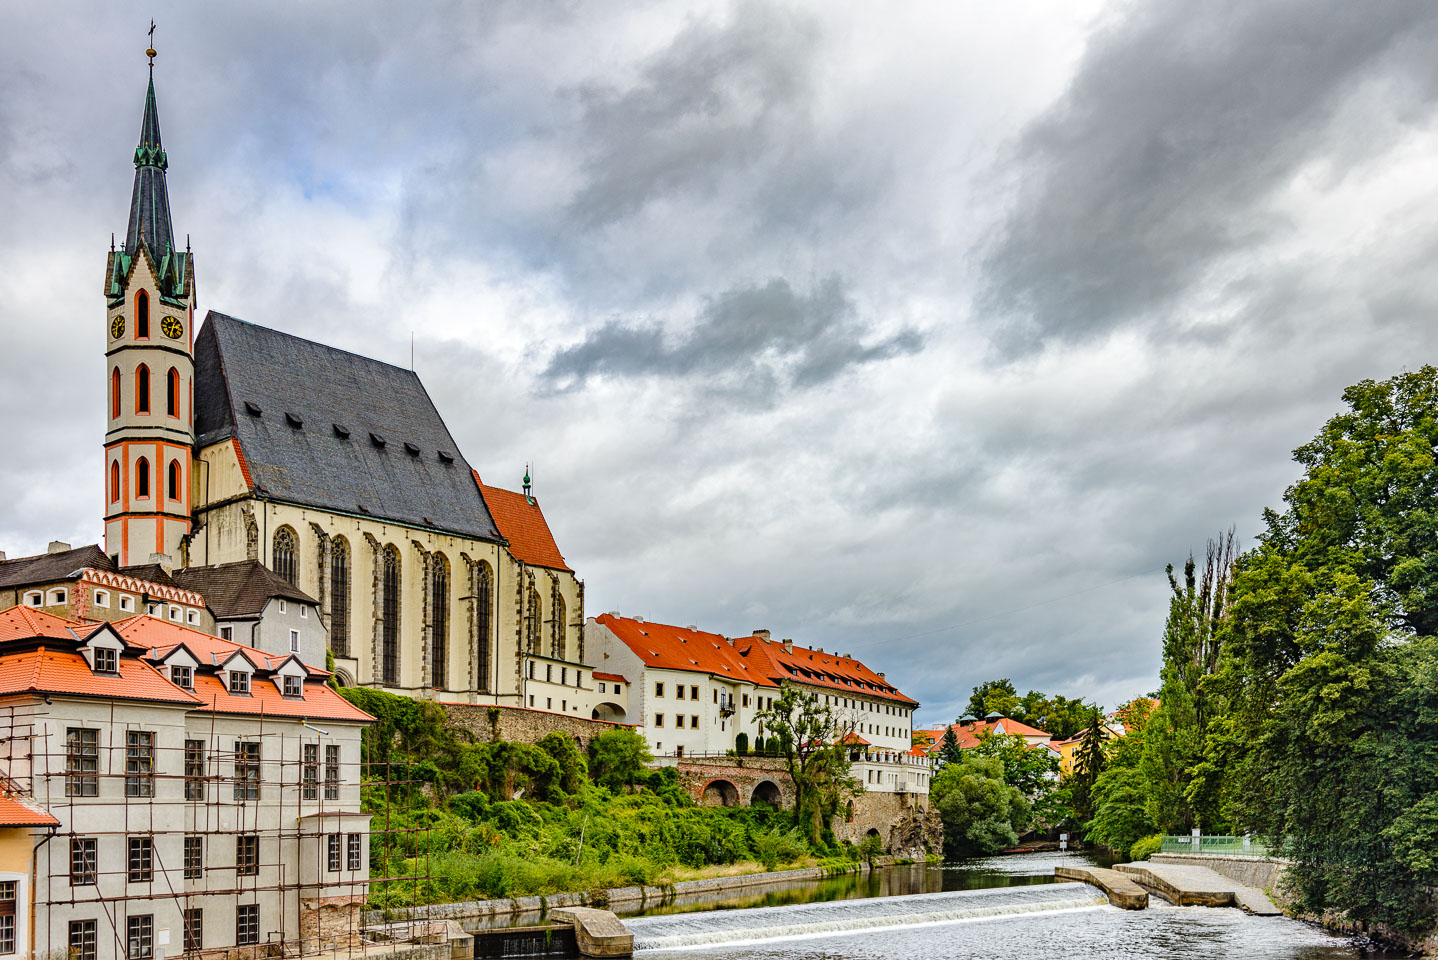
x: 715, y: 99
x: 739, y: 336
x: 1178, y: 124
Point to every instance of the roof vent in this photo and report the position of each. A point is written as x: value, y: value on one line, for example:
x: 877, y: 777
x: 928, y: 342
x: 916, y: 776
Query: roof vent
x: 252, y: 408
x: 638, y: 619
x: 293, y: 420
x: 377, y: 440
x: 411, y: 449
x: 57, y: 546
x: 342, y: 432
x: 445, y: 457
x: 612, y: 613
x: 692, y: 626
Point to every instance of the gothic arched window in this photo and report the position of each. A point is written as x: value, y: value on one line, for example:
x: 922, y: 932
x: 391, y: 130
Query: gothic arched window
x: 142, y: 316
x: 531, y: 620
x: 142, y: 478
x: 389, y: 652
x: 142, y: 389
x: 114, y: 481
x: 115, y: 393
x: 483, y: 614
x: 285, y: 559
x: 172, y: 392
x: 174, y: 480
x: 439, y: 622
x: 340, y: 596
x: 556, y: 627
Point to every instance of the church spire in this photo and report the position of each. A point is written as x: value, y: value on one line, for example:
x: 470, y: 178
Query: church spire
x: 150, y: 200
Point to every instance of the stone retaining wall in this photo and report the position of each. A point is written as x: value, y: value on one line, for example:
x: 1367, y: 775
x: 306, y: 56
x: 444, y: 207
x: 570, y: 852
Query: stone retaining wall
x: 481, y: 909
x: 1257, y: 872
x: 523, y: 725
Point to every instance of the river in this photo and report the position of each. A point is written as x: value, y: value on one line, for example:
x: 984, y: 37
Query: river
x: 1001, y: 908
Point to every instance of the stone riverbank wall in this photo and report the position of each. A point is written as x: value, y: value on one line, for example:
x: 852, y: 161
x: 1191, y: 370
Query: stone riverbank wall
x: 1260, y: 872
x: 609, y: 898
x: 523, y: 725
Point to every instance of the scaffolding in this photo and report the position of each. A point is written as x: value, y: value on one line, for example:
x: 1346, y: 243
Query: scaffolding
x: 253, y: 845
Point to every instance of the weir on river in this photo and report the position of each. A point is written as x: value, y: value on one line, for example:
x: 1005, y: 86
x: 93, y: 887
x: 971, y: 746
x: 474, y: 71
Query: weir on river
x: 734, y: 927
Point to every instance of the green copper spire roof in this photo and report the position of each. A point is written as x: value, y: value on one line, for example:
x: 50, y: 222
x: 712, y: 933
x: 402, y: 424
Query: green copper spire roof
x: 150, y: 202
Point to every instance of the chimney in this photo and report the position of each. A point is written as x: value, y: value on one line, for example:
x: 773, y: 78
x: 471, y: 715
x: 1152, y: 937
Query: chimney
x: 729, y: 639
x: 2, y: 554
x: 788, y: 645
x: 693, y: 626
x: 613, y: 613
x: 762, y: 635
x: 882, y: 676
x: 165, y: 561
x: 637, y: 619
x: 57, y: 546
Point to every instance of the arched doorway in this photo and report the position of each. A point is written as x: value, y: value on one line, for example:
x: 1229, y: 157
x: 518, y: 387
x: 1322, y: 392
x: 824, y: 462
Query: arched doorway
x: 719, y: 793
x: 612, y: 712
x: 767, y: 792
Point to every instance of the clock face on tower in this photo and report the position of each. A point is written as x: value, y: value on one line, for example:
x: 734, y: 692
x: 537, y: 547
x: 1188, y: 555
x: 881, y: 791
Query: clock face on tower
x: 172, y: 327
x: 117, y: 327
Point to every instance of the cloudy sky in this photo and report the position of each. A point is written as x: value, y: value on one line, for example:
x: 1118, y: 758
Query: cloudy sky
x: 928, y: 331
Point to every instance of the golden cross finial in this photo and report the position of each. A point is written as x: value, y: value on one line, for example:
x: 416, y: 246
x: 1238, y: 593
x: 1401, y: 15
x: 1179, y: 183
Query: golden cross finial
x: 150, y: 52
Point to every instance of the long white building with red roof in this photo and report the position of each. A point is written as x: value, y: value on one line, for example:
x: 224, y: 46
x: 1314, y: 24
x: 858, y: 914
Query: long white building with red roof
x: 168, y: 791
x: 691, y: 692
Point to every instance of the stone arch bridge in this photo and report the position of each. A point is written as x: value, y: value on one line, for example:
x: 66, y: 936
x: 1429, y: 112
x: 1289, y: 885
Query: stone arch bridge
x: 736, y: 781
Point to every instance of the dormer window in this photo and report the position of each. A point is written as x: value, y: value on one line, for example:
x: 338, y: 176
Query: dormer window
x: 182, y: 676
x: 240, y: 682
x: 107, y: 660
x: 294, y: 686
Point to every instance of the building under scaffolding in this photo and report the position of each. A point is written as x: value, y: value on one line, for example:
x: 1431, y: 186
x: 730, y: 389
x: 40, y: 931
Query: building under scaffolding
x: 169, y: 792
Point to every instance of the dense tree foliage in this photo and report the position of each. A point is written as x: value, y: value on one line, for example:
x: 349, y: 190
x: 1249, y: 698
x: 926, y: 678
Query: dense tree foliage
x: 982, y: 812
x: 1300, y: 693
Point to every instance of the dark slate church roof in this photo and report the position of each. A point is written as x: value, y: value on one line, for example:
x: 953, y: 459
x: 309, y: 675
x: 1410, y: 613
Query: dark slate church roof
x: 324, y: 428
x: 241, y: 589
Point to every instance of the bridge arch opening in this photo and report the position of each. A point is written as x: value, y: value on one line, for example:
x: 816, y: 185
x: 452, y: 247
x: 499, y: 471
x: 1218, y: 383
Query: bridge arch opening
x: 720, y: 793
x: 767, y: 792
x: 612, y: 712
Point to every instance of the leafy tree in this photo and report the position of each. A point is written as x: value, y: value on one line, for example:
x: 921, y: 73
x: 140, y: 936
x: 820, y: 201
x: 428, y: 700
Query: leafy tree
x: 1330, y: 666
x: 1058, y: 716
x: 1176, y: 729
x: 1033, y: 770
x: 949, y: 751
x: 809, y: 734
x: 993, y: 696
x: 1120, y: 817
x: 741, y: 743
x: 1089, y: 761
x: 981, y: 812
x: 618, y: 758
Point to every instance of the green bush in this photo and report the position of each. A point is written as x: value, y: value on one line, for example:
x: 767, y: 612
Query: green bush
x: 1146, y: 847
x: 741, y: 743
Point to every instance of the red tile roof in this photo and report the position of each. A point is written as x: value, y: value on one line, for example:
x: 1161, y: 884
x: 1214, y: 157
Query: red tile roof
x: 967, y: 734
x: 58, y: 668
x: 27, y: 623
x: 522, y: 523
x: 17, y: 812
x: 816, y: 668
x: 63, y: 671
x: 610, y: 676
x: 668, y: 647
x: 853, y: 739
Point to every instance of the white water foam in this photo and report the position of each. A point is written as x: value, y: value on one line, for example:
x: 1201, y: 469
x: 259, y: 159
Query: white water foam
x: 733, y: 928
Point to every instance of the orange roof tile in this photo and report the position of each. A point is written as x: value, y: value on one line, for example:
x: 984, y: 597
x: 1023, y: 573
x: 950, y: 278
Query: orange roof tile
x: 816, y: 668
x: 57, y: 671
x: 319, y: 703
x: 163, y: 636
x: 27, y: 623
x: 967, y: 734
x: 17, y: 812
x: 668, y: 647
x: 522, y: 523
x: 853, y: 739
x: 610, y: 676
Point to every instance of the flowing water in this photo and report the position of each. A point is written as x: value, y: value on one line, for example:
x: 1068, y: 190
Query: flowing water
x: 1003, y: 908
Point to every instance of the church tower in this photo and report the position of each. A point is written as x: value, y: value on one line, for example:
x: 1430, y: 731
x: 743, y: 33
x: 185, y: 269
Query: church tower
x: 150, y: 368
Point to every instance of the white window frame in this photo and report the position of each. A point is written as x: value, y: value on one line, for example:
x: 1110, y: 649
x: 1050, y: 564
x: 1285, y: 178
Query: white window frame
x: 283, y: 608
x: 192, y: 617
x: 238, y: 682
x: 59, y: 597
x: 294, y: 641
x: 227, y: 632
x: 127, y: 603
x: 35, y: 598
x: 304, y: 612
x: 176, y: 614
x: 102, y: 598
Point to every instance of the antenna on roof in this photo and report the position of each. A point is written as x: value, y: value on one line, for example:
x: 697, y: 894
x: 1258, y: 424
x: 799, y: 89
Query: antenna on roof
x: 411, y: 351
x: 527, y: 485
